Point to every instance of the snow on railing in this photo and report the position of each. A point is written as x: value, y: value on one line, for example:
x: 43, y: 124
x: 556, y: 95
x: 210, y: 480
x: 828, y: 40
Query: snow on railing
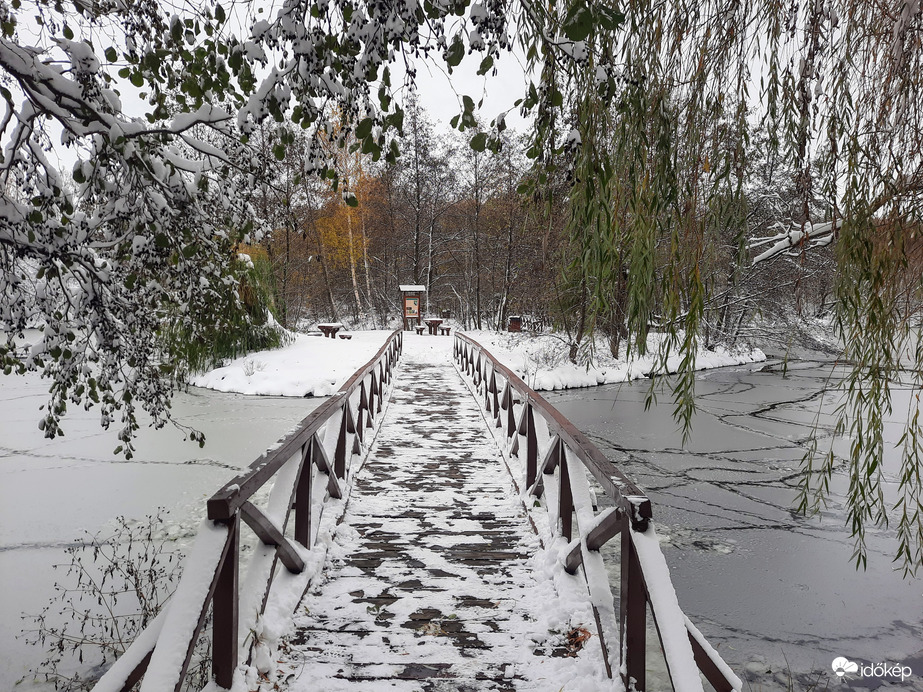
x: 308, y: 473
x: 550, y: 459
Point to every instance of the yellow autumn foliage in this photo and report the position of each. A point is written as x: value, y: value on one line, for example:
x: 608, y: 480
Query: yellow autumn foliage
x: 334, y: 230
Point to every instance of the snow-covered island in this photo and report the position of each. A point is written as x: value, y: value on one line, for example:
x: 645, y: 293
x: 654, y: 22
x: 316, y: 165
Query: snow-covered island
x: 315, y: 366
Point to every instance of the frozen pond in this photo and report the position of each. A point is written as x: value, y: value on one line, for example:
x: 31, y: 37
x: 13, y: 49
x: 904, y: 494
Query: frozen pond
x: 776, y: 593
x: 53, y: 490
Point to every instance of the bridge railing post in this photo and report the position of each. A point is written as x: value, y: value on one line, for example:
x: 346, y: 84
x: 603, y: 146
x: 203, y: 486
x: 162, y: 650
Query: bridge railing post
x: 531, y: 446
x: 339, y: 455
x: 225, y: 610
x: 565, y: 500
x: 632, y: 613
x: 303, y: 490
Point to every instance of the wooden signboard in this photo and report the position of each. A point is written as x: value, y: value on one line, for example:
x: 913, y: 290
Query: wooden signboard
x: 412, y: 307
x: 411, y: 295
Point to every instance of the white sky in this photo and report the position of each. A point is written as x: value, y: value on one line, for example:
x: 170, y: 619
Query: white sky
x: 441, y: 93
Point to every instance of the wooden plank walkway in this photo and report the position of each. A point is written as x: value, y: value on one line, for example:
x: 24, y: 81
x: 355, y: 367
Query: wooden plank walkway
x: 435, y: 580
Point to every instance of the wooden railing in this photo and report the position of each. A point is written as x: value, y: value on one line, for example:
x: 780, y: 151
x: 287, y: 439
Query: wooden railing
x: 311, y: 470
x: 550, y: 459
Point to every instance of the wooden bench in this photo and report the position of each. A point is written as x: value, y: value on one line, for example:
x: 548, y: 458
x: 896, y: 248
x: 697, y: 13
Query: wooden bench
x: 444, y: 331
x: 345, y: 336
x: 419, y: 330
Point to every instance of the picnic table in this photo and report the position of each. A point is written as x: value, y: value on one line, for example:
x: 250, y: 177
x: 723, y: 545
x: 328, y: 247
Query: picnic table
x: 433, y: 325
x: 330, y: 329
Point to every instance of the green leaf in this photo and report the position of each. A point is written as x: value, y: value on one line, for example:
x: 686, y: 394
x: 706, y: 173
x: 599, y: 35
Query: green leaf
x: 364, y: 128
x: 219, y: 13
x: 609, y: 18
x: 370, y: 146
x: 67, y: 31
x: 111, y: 55
x: 397, y: 120
x: 578, y: 22
x: 486, y: 64
x: 455, y: 52
x: 479, y: 141
x: 137, y: 79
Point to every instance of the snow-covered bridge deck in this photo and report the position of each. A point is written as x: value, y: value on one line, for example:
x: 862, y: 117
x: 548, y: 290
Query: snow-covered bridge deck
x: 431, y: 583
x: 444, y: 537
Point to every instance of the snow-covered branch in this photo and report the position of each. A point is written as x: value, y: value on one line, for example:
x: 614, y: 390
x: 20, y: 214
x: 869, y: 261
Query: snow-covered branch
x: 794, y: 239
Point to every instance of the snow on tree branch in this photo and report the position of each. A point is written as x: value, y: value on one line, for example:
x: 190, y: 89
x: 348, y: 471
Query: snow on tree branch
x: 141, y: 232
x: 794, y: 239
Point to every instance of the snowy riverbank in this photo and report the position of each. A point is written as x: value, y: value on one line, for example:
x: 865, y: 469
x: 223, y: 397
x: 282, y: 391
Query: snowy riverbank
x: 541, y: 360
x: 308, y: 366
x: 316, y: 366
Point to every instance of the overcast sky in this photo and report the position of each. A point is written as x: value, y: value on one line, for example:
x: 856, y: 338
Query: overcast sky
x: 441, y: 93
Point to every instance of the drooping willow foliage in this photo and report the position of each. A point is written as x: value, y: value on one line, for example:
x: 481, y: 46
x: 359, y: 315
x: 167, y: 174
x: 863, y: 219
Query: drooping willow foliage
x: 664, y: 107
x: 650, y: 109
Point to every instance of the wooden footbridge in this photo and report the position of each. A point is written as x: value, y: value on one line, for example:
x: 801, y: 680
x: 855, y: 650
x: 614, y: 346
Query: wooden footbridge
x: 435, y: 525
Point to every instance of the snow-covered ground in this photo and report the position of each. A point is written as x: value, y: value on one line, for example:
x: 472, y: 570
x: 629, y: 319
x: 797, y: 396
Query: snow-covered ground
x: 315, y: 366
x: 541, y: 360
x: 309, y: 366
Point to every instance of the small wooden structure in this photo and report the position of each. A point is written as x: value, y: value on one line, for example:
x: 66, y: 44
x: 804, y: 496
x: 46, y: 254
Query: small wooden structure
x: 330, y: 329
x: 411, y: 299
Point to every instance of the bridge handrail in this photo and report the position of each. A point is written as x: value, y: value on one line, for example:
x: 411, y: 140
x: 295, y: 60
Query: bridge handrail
x: 617, y: 486
x: 566, y: 495
x: 311, y: 465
